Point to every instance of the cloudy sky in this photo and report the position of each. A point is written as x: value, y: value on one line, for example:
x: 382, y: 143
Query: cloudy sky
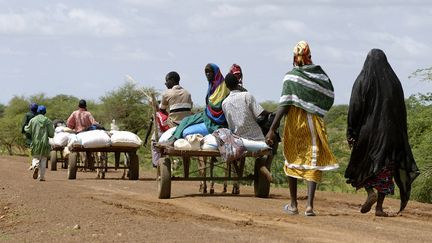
x: 87, y: 48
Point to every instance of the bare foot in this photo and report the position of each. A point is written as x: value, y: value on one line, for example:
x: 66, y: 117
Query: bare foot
x: 370, y: 201
x: 381, y: 213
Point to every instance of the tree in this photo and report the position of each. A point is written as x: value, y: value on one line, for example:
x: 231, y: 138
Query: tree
x: 425, y: 74
x: 128, y: 105
x: 61, y: 106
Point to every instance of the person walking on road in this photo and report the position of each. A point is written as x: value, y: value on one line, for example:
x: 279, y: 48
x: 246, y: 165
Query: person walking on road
x: 40, y: 128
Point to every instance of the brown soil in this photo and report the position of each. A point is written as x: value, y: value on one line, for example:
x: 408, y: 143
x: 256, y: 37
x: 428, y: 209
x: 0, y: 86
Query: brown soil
x: 114, y: 210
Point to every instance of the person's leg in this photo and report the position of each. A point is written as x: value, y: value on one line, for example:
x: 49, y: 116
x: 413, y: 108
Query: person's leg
x: 42, y: 167
x: 311, y: 185
x: 155, y: 154
x: 35, y: 165
x: 292, y: 208
x: 370, y: 200
x: 379, y: 209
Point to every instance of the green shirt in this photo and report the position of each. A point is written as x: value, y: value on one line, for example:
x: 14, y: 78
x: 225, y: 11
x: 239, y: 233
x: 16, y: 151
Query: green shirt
x: 40, y: 128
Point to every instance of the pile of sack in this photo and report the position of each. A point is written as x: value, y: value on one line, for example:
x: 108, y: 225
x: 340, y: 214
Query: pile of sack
x: 208, y: 142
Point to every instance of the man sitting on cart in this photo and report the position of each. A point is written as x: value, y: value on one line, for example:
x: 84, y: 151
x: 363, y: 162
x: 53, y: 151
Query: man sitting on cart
x: 241, y: 111
x: 176, y: 101
x: 79, y: 121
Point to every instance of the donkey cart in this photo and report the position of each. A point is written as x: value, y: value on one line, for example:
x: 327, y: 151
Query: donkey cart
x: 97, y: 158
x: 164, y: 176
x: 56, y: 156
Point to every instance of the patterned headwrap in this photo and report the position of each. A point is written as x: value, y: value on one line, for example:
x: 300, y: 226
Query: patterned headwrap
x: 302, y: 54
x: 216, y: 93
x: 236, y: 70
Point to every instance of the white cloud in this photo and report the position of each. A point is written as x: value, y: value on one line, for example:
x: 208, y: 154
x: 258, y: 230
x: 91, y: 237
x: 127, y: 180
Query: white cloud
x: 290, y: 26
x: 60, y: 20
x: 197, y: 22
x: 227, y: 10
x: 149, y: 3
x: 6, y: 51
x: 91, y: 21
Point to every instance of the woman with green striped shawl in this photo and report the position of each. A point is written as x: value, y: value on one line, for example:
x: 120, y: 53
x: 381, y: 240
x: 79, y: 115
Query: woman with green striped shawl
x: 307, y: 95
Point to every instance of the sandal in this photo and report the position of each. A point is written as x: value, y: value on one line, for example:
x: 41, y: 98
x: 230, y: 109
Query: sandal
x: 290, y: 210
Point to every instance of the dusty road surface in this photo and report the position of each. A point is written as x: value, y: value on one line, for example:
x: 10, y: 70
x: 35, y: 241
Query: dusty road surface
x: 114, y: 210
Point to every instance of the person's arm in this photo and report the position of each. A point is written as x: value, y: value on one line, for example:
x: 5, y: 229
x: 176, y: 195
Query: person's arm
x: 163, y: 105
x: 24, y: 123
x: 71, y: 121
x: 50, y: 130
x: 282, y: 110
x: 27, y: 128
x: 92, y: 120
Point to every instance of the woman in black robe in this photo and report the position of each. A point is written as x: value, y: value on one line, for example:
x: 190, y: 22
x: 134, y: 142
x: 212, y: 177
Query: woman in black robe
x: 377, y: 133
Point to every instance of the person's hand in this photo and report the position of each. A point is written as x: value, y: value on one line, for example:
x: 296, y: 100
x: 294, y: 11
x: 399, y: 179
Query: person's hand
x: 269, y: 139
x: 351, y: 142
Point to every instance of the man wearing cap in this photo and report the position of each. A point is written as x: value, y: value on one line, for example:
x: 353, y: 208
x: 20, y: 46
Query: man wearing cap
x: 80, y: 119
x: 40, y: 129
x: 176, y: 100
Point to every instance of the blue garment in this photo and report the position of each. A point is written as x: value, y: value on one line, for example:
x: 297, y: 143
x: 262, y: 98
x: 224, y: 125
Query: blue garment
x: 199, y: 128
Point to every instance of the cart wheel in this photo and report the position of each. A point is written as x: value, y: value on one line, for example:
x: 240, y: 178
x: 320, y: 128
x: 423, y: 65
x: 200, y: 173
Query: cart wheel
x: 72, y: 170
x: 133, y: 166
x: 53, y: 159
x: 164, y: 178
x: 261, y: 183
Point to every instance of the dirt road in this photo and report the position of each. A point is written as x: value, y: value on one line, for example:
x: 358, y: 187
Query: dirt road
x: 114, y: 210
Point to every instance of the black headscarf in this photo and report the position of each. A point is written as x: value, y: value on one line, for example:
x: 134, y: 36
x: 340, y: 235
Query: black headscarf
x: 378, y: 124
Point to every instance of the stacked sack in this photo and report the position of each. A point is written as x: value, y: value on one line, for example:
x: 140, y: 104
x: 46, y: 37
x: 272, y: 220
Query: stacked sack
x: 208, y: 142
x: 61, y: 137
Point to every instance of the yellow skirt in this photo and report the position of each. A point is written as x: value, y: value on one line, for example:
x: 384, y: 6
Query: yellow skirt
x: 306, y: 148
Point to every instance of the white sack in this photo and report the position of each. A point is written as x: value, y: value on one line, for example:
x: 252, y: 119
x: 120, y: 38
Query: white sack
x: 61, y: 139
x: 167, y: 134
x: 253, y: 146
x: 94, y: 139
x: 182, y: 144
x: 209, y: 143
x: 195, y: 141
x: 125, y: 139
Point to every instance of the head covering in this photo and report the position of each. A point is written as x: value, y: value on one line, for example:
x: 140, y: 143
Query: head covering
x: 216, y: 93
x: 33, y: 107
x: 82, y: 104
x: 41, y: 110
x: 302, y: 54
x: 236, y: 70
x: 377, y: 121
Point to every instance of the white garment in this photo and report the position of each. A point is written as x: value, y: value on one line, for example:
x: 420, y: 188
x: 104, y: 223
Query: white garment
x: 40, y: 162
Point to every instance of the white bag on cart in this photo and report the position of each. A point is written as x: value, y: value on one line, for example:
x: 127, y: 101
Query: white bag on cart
x: 125, y: 139
x: 61, y: 139
x: 94, y: 139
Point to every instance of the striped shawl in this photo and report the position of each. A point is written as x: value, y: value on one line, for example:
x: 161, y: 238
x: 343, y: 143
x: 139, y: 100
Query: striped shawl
x: 309, y: 88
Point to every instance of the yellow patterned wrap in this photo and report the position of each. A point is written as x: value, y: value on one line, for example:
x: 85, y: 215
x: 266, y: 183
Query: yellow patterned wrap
x: 306, y: 148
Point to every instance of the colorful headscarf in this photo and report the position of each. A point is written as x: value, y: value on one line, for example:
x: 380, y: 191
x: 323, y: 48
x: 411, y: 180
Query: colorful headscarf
x: 216, y: 93
x: 236, y: 69
x: 302, y: 54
